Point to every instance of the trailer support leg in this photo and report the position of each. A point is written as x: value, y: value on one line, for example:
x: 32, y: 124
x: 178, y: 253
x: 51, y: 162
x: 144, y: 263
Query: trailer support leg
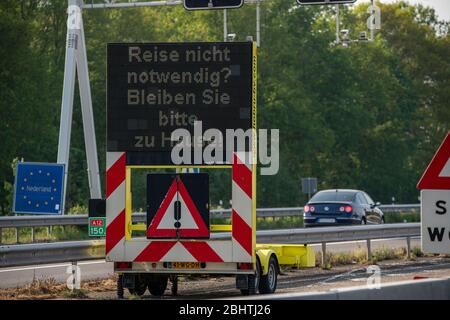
x: 174, y: 280
x: 119, y: 287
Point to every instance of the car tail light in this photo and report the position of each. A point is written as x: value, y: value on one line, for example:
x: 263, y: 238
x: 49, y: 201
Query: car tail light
x: 306, y: 208
x: 342, y: 209
x: 312, y: 209
x: 348, y: 209
x: 124, y: 265
x: 245, y: 266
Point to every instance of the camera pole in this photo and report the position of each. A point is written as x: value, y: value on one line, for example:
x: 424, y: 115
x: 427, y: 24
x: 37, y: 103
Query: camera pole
x: 337, y: 24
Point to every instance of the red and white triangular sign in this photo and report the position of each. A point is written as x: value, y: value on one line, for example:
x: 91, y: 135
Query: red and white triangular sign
x: 437, y: 174
x: 191, y: 222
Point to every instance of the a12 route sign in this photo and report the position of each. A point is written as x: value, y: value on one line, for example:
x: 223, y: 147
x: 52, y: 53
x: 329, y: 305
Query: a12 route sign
x: 306, y: 2
x: 212, y: 4
x: 97, y: 227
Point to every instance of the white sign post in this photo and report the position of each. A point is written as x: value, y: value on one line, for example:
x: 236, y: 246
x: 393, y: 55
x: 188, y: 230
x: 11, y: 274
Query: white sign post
x: 435, y: 212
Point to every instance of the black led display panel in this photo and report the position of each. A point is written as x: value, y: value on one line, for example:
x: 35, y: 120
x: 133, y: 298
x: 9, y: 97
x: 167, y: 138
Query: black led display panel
x: 155, y: 88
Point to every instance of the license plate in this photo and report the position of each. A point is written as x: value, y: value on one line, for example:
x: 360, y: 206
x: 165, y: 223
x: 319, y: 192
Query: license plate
x: 324, y: 220
x: 186, y: 265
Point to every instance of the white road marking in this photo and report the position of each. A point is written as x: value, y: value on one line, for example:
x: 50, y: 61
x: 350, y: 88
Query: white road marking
x: 51, y: 266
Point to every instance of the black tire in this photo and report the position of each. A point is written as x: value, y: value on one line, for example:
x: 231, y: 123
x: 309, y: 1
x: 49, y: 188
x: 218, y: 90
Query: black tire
x: 140, y: 285
x: 268, y: 283
x: 157, y: 284
x: 253, y: 281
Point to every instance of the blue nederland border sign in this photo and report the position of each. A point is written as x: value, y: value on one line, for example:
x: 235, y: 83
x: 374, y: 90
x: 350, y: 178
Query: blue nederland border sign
x: 39, y: 188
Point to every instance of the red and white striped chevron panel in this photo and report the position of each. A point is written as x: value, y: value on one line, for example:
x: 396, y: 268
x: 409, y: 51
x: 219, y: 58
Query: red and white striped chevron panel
x: 174, y: 251
x: 115, y: 205
x: 241, y: 217
x: 238, y: 249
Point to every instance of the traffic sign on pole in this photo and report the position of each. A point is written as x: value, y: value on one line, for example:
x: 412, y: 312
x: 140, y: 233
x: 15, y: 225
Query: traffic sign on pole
x: 435, y: 201
x: 309, y: 186
x: 97, y: 218
x: 437, y: 174
x: 39, y: 188
x: 212, y: 4
x: 435, y: 209
x: 307, y: 2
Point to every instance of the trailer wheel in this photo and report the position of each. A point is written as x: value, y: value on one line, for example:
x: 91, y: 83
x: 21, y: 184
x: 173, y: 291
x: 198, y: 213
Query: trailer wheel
x: 140, y: 285
x: 157, y: 284
x: 253, y: 281
x: 268, y: 283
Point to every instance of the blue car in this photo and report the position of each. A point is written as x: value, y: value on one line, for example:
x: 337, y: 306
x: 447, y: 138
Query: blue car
x: 341, y: 207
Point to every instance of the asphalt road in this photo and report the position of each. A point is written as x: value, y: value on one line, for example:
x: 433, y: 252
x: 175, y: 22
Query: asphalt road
x: 20, y: 276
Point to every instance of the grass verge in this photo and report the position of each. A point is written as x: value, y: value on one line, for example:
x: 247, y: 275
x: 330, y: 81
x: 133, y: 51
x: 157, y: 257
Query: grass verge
x: 50, y: 289
x: 359, y: 256
x: 75, y: 294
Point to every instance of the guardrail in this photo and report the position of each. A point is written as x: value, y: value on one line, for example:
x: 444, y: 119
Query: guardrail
x: 298, y: 211
x: 35, y: 253
x: 82, y: 220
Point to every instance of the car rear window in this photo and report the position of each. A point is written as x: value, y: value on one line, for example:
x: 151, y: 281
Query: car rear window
x: 333, y: 196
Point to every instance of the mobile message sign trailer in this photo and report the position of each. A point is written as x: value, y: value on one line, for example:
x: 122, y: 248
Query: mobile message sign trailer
x: 140, y: 259
x: 146, y: 83
x: 148, y: 262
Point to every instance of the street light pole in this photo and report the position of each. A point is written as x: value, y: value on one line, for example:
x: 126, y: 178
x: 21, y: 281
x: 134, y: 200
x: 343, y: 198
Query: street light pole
x: 372, y: 30
x: 225, y: 27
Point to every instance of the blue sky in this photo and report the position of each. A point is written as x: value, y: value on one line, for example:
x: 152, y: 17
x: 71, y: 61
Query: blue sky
x: 442, y: 7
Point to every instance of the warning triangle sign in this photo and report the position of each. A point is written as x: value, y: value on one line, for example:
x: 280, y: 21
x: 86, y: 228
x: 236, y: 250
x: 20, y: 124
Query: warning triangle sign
x: 177, y: 216
x: 437, y: 174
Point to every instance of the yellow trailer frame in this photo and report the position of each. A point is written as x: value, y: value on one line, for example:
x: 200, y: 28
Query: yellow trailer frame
x: 287, y: 255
